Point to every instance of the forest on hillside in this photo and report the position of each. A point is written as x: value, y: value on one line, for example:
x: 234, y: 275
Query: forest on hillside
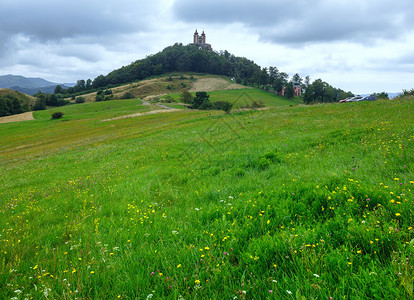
x: 188, y: 58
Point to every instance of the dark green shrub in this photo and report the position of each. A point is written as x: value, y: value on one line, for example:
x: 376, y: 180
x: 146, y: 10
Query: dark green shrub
x: 57, y: 115
x: 128, y: 95
x: 168, y: 99
x: 80, y: 100
x: 186, y: 97
x: 199, y: 99
x: 223, y: 105
x: 40, y: 104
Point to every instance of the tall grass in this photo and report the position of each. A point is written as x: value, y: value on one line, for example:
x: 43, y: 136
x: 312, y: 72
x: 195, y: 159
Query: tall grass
x: 290, y: 202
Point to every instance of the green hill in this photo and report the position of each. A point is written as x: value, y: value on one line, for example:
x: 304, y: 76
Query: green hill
x: 306, y: 201
x: 13, y: 102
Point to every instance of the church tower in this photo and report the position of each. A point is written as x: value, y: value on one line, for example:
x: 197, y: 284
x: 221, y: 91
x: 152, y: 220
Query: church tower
x: 203, y: 38
x: 196, y: 37
x: 200, y: 41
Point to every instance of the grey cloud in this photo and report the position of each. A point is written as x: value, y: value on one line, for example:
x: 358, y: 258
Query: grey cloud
x: 302, y: 22
x: 47, y: 20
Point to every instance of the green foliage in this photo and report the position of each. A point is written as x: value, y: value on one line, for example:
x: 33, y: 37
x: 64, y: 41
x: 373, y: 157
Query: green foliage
x: 57, y: 115
x: 104, y: 95
x: 382, y: 95
x: 289, y: 91
x: 12, y: 102
x: 186, y: 97
x: 201, y: 100
x: 407, y: 94
x: 40, y: 104
x: 168, y: 99
x: 223, y: 105
x: 80, y: 99
x: 321, y: 92
x: 59, y: 90
x: 127, y: 95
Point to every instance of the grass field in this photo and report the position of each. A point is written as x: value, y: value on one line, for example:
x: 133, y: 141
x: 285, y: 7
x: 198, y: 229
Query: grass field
x: 305, y: 202
x: 245, y: 97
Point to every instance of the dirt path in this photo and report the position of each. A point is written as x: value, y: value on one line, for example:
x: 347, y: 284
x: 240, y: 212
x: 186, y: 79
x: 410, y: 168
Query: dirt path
x: 27, y: 116
x: 214, y: 84
x: 152, y: 112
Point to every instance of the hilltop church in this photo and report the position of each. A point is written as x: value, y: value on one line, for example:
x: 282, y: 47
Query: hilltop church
x: 200, y: 41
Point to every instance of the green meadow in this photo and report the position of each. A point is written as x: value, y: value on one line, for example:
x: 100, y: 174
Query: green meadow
x: 291, y: 202
x: 241, y: 98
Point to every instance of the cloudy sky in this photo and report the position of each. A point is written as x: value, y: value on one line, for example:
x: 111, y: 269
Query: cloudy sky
x: 361, y: 46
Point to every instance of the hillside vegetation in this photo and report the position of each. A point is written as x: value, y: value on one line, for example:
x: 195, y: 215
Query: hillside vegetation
x: 13, y: 102
x: 290, y: 202
x: 166, y: 84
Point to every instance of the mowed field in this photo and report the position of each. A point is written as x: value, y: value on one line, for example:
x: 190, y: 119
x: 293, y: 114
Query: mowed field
x: 292, y: 202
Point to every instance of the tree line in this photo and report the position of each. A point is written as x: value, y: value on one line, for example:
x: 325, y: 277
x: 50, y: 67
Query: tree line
x: 180, y: 58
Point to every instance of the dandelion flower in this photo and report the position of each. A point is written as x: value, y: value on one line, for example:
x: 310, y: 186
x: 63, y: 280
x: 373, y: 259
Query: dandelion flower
x: 197, y: 281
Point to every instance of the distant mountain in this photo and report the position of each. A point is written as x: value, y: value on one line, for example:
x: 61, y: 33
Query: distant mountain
x: 31, y: 91
x: 8, y: 81
x: 29, y: 86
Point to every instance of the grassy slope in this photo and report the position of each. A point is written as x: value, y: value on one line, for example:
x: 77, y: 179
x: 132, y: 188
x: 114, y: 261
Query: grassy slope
x: 23, y: 98
x: 245, y: 97
x: 313, y: 200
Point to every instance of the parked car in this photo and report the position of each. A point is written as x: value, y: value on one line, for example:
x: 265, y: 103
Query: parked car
x: 369, y: 98
x: 344, y: 100
x: 355, y: 99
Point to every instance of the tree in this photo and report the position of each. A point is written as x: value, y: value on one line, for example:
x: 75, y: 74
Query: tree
x: 200, y: 99
x: 40, y: 104
x: 223, y: 105
x: 273, y: 74
x: 4, y: 107
x: 309, y: 96
x: 264, y: 77
x: 186, y: 97
x: 80, y: 85
x: 51, y: 100
x: 59, y: 90
x: 382, y: 95
x: 307, y: 81
x: 88, y: 84
x: 297, y: 79
x: 289, y: 91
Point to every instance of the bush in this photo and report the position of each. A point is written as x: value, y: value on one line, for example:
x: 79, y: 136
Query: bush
x: 57, y: 115
x: 258, y: 104
x: 167, y: 99
x: 223, y: 105
x: 128, y: 95
x: 199, y: 99
x: 40, y: 104
x: 80, y: 100
x: 186, y: 97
